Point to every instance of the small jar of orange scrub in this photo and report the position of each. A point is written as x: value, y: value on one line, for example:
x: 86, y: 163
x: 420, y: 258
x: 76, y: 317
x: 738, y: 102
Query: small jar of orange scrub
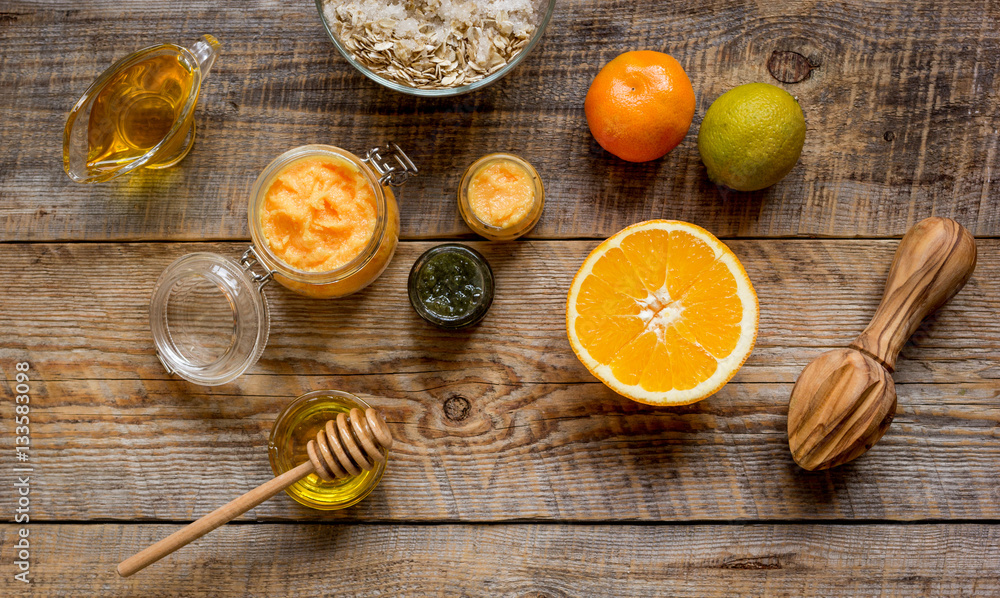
x: 324, y: 221
x: 501, y: 196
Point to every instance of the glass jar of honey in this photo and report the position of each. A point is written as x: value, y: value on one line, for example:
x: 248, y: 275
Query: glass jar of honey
x: 296, y: 425
x: 208, y: 313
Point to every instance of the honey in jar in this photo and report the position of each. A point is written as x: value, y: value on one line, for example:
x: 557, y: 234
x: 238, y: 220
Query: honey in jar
x: 295, y: 426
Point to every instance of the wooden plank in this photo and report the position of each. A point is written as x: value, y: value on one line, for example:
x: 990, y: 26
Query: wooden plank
x: 541, y: 439
x: 81, y: 312
x: 902, y: 113
x: 520, y: 560
x: 166, y: 451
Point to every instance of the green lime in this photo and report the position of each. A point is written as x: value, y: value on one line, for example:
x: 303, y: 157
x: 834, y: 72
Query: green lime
x: 751, y: 136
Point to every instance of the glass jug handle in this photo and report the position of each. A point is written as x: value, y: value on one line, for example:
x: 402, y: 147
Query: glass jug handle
x: 205, y: 52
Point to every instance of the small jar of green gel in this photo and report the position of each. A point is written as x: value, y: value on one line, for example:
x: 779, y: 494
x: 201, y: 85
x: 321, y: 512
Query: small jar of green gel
x: 451, y: 286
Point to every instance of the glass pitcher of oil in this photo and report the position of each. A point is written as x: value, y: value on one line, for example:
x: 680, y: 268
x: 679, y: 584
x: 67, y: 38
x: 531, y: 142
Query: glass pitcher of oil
x: 138, y: 113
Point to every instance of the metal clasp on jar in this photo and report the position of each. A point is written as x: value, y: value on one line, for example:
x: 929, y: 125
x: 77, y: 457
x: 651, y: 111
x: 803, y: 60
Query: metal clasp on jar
x: 392, y: 163
x: 248, y: 261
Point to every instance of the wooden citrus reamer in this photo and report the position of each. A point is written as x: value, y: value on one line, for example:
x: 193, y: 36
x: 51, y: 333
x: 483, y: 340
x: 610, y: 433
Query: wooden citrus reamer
x: 844, y: 401
x: 344, y: 447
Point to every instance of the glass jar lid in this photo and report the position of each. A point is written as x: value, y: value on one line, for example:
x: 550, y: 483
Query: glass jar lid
x: 209, y: 317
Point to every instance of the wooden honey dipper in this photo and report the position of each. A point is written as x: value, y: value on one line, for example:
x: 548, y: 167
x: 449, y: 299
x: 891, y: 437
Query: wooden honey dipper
x: 844, y: 401
x: 344, y: 447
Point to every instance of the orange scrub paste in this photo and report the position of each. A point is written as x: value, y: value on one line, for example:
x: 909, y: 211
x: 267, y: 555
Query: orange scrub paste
x: 501, y: 196
x: 319, y: 213
x: 501, y: 193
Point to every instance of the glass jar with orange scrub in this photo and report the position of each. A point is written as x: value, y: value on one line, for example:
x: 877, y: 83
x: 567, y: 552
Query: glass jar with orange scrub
x: 501, y: 196
x: 324, y: 223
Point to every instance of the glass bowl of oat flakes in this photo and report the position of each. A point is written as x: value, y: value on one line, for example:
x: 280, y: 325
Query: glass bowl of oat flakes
x: 435, y: 47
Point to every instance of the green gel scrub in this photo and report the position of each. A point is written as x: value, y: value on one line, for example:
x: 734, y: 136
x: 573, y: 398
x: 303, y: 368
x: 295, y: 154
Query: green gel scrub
x: 451, y: 286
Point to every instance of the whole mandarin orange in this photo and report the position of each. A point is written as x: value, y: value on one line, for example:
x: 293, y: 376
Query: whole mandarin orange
x: 640, y: 105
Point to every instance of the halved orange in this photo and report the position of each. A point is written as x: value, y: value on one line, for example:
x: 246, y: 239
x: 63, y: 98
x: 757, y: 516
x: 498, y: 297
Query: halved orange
x: 663, y: 313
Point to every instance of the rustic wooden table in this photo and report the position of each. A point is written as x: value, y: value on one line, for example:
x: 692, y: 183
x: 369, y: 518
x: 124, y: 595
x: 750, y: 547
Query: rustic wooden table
x: 515, y: 471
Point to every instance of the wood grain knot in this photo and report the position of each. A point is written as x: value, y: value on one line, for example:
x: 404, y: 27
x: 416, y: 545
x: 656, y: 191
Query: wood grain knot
x: 889, y: 136
x: 766, y: 562
x: 457, y: 408
x: 789, y: 67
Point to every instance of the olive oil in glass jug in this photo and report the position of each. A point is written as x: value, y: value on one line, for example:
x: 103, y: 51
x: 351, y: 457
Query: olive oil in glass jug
x: 138, y: 113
